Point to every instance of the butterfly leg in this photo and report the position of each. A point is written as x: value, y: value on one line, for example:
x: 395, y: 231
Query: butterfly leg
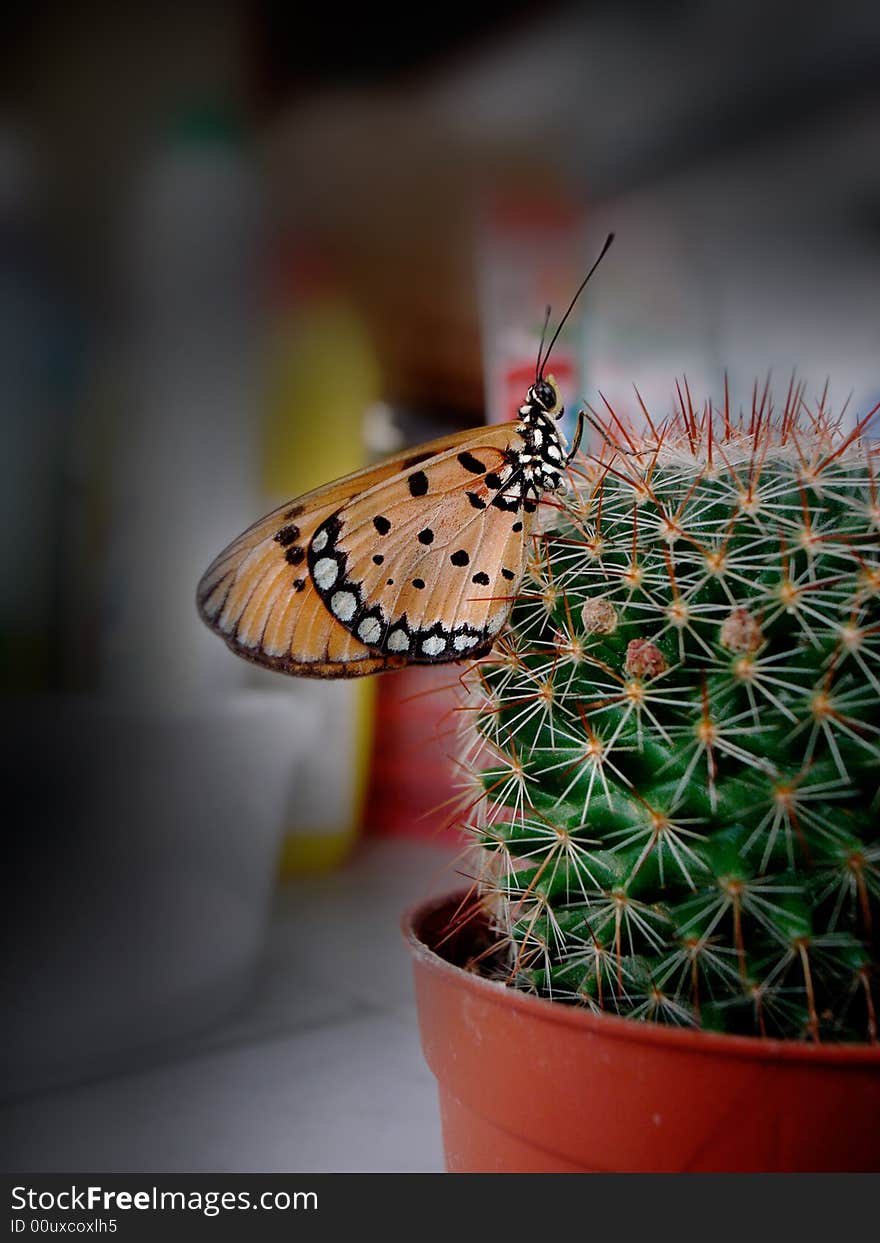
x: 576, y: 443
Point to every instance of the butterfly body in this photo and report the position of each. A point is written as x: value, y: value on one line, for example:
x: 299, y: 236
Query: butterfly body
x: 543, y: 456
x: 416, y: 560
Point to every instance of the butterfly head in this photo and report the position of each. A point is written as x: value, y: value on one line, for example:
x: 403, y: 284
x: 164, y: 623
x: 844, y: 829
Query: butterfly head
x: 544, y: 394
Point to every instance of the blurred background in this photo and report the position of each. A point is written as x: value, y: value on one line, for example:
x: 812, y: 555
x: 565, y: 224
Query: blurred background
x: 246, y: 248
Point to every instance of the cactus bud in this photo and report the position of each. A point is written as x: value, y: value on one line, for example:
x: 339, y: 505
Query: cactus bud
x: 740, y: 632
x: 599, y: 617
x: 644, y: 659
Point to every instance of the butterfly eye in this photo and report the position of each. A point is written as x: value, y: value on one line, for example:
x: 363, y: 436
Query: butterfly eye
x: 545, y: 394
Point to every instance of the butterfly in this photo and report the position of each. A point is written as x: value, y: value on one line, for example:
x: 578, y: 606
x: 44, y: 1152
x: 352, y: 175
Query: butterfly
x: 414, y: 560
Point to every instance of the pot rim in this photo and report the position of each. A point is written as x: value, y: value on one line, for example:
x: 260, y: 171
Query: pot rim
x: 755, y: 1048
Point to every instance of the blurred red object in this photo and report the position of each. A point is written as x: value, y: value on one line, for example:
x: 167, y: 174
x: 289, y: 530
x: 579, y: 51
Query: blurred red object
x: 412, y: 790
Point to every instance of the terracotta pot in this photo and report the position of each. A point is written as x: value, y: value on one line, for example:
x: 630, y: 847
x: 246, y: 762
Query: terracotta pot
x: 537, y: 1086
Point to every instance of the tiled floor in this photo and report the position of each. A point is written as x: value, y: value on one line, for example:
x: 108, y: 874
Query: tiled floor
x: 320, y: 1071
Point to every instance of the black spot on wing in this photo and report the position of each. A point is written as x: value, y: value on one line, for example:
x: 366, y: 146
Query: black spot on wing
x: 481, y: 579
x: 471, y: 463
x: 294, y: 556
x: 493, y: 480
x: 382, y: 525
x: 426, y: 536
x: 476, y: 500
x: 460, y: 557
x: 418, y: 583
x: 287, y: 535
x: 378, y: 559
x: 418, y: 483
x: 508, y: 574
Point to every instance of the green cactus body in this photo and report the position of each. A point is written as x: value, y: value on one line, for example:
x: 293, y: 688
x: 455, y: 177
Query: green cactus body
x: 677, y: 741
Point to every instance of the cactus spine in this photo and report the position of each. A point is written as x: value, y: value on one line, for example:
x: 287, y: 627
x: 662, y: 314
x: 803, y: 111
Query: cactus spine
x: 677, y: 741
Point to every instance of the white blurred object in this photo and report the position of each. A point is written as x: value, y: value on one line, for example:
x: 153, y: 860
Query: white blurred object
x: 185, y: 475
x: 653, y: 322
x: 144, y: 872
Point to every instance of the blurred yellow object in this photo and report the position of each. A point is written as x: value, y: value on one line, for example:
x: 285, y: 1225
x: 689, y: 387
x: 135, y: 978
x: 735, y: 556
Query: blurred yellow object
x: 323, y: 375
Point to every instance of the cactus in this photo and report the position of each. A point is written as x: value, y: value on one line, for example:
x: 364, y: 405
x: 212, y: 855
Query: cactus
x: 676, y: 743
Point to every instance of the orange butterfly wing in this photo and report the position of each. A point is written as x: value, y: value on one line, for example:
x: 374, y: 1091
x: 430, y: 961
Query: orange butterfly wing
x: 425, y: 565
x: 259, y: 596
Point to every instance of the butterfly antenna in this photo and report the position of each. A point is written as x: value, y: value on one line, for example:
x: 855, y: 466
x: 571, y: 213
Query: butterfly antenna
x: 608, y: 240
x: 541, y: 346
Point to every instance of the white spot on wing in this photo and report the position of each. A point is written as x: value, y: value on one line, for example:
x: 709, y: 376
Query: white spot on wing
x: 325, y: 572
x: 496, y: 622
x: 319, y: 541
x: 343, y: 605
x: 398, y: 641
x: 369, y: 630
x: 462, y: 642
x: 433, y: 646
